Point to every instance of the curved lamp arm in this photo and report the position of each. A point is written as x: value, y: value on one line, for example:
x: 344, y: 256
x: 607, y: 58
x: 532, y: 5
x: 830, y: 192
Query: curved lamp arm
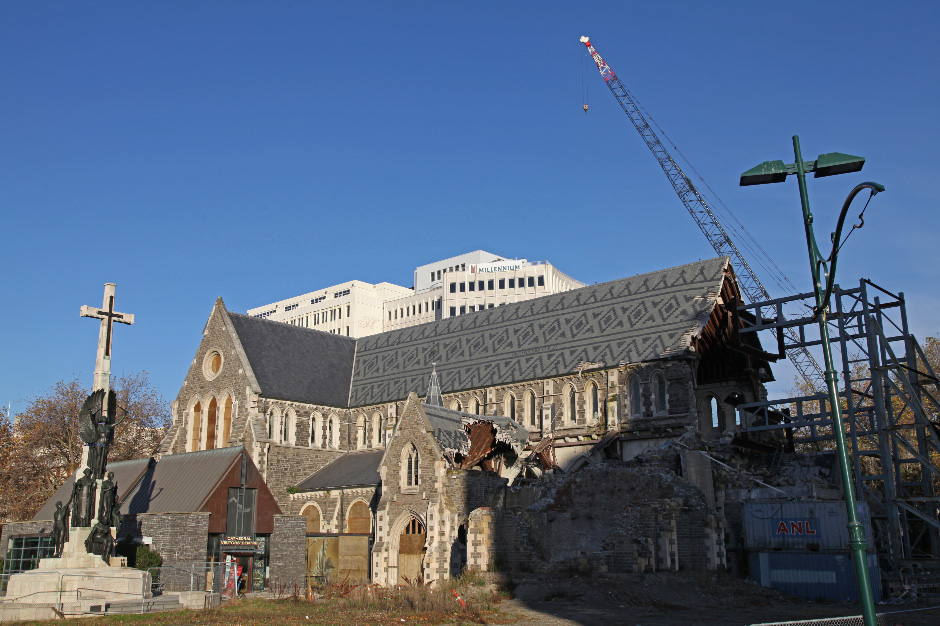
x: 836, y: 238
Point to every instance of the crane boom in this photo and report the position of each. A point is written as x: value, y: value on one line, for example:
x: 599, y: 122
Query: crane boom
x: 750, y: 285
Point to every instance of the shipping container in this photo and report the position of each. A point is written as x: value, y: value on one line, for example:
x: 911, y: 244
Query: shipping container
x: 808, y: 525
x: 813, y: 576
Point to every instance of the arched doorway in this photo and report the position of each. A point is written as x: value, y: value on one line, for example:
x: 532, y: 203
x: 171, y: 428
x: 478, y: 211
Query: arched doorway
x: 411, y: 553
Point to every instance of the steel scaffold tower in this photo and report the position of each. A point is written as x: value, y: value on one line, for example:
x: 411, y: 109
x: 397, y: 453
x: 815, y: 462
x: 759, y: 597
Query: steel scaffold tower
x: 891, y: 417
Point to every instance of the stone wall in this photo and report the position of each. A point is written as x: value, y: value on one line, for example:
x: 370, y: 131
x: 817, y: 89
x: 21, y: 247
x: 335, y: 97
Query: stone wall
x: 289, y: 465
x: 178, y: 537
x: 599, y: 519
x: 288, y: 559
x: 333, y: 505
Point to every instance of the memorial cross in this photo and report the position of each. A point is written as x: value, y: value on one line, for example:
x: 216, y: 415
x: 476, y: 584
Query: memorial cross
x: 108, y: 316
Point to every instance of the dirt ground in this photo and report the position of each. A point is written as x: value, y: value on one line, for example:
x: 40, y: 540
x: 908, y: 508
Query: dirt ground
x: 678, y: 599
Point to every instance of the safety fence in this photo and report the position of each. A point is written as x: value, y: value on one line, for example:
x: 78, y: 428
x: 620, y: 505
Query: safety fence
x: 926, y: 615
x: 206, y: 576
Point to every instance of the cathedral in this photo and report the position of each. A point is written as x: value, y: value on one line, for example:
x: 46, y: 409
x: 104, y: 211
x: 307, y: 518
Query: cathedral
x: 355, y: 437
x: 386, y: 458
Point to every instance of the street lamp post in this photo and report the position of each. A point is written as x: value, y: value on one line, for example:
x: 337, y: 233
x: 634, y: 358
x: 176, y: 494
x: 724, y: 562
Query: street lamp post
x: 823, y: 272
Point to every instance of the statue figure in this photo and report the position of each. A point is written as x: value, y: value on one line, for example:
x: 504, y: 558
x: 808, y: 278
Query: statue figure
x: 100, y: 541
x: 107, y: 499
x: 97, y: 430
x: 83, y: 499
x: 60, y: 528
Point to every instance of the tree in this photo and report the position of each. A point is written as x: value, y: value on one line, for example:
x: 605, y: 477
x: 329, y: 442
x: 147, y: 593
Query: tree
x: 42, y: 448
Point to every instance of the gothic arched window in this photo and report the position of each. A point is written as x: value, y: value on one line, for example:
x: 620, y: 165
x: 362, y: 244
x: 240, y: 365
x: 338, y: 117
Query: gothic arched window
x: 660, y: 397
x: 409, y: 467
x: 636, y: 406
x: 531, y: 409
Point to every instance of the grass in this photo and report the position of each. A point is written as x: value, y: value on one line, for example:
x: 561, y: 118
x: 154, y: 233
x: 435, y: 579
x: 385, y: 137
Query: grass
x: 342, y: 605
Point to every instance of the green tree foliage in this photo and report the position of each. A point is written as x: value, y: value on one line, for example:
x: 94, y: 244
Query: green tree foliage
x: 42, y: 448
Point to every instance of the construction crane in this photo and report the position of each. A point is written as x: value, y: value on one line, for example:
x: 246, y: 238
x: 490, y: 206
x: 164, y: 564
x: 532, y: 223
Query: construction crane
x: 750, y: 285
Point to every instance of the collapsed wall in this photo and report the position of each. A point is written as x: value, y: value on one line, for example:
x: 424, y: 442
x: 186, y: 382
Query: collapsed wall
x: 607, y: 517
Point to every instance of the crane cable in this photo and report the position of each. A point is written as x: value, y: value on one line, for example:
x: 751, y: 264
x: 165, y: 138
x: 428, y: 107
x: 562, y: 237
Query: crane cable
x: 584, y: 83
x: 745, y: 238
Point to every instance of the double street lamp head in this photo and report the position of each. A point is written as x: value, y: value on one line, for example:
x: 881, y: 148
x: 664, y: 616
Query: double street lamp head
x: 825, y: 165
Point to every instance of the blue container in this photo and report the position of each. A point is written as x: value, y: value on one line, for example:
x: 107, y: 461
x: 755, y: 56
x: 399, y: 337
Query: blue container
x: 813, y: 576
x: 810, y: 525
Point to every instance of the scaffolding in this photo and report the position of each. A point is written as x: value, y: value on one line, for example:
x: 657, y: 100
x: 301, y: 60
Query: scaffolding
x: 891, y: 418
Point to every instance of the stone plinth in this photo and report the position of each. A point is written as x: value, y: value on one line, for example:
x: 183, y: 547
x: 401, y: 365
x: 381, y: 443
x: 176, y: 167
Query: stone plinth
x: 77, y: 582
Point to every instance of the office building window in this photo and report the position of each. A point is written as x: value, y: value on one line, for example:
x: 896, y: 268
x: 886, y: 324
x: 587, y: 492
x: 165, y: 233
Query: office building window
x: 502, y: 283
x: 473, y: 286
x: 463, y: 287
x: 541, y: 281
x: 512, y: 283
x: 480, y: 285
x: 531, y: 281
x: 453, y: 287
x: 453, y: 311
x: 490, y: 285
x: 463, y: 310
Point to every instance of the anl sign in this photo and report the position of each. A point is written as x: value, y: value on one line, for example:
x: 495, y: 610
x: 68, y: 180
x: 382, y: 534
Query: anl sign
x: 797, y: 528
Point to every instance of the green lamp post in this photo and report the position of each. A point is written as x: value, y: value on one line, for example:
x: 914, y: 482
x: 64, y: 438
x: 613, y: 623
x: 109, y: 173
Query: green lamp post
x: 823, y: 271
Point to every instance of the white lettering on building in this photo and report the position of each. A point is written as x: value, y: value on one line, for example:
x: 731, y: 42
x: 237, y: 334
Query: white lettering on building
x: 499, y: 266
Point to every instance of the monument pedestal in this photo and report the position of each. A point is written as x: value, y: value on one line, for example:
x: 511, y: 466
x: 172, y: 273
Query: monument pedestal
x: 75, y: 583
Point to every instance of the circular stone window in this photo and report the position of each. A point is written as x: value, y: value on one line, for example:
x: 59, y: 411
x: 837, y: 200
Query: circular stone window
x: 212, y: 364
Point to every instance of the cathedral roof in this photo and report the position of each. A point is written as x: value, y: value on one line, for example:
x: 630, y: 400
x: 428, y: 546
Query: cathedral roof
x: 354, y: 469
x: 296, y: 363
x: 631, y: 320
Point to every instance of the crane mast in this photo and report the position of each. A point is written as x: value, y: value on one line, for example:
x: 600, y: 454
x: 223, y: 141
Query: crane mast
x: 750, y: 285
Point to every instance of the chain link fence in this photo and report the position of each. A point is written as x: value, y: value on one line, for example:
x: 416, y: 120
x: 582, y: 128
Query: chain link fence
x: 854, y: 620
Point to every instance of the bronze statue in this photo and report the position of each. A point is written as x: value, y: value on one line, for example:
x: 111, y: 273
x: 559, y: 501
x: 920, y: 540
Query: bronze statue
x: 100, y: 541
x: 97, y: 429
x: 83, y: 499
x: 60, y: 528
x: 107, y: 499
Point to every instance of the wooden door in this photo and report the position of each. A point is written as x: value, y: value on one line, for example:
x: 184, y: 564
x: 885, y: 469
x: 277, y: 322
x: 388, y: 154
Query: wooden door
x: 411, y: 553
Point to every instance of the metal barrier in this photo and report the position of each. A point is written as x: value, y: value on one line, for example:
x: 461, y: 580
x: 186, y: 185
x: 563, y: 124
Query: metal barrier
x: 181, y: 577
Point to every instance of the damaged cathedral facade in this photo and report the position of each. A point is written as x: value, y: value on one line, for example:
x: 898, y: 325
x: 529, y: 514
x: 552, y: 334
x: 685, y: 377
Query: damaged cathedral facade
x: 562, y: 432
x: 418, y: 449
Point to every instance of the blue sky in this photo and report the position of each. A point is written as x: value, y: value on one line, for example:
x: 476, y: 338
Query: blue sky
x: 259, y: 150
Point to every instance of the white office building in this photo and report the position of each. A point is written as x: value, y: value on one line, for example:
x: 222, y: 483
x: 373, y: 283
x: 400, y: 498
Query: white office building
x: 456, y: 286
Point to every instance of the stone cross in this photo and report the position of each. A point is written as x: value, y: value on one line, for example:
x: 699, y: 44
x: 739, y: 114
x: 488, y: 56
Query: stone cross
x: 108, y: 316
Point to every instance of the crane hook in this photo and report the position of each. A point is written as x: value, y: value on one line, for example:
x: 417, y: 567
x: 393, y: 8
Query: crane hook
x: 585, y: 108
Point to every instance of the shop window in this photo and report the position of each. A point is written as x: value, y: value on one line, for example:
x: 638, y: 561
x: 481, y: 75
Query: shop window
x: 23, y: 554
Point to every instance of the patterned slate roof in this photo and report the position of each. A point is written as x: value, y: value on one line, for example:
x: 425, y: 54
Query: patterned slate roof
x: 630, y: 320
x: 295, y: 363
x: 354, y: 469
